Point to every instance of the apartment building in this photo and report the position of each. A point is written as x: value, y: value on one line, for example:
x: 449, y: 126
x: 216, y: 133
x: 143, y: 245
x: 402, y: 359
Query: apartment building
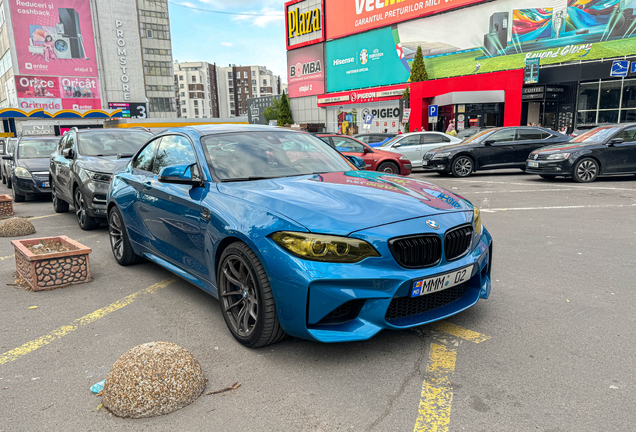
x: 196, y: 90
x: 237, y: 84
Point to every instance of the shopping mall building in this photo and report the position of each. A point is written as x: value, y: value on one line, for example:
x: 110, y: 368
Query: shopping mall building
x: 557, y: 63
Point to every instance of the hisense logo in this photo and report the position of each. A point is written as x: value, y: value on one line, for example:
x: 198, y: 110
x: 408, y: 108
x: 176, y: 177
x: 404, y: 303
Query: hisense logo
x: 337, y: 62
x: 371, y: 5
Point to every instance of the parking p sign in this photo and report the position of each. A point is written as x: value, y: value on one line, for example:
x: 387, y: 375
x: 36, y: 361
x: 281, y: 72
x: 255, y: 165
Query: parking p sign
x: 433, y: 110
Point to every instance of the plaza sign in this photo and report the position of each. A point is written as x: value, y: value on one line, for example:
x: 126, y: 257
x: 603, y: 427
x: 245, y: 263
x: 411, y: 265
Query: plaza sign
x: 304, y: 23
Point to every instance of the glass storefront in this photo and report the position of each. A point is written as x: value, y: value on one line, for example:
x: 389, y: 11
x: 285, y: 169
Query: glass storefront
x: 606, y: 101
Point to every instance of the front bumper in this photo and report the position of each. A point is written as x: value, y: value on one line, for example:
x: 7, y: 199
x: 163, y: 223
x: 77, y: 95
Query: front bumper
x: 95, y: 193
x: 550, y: 167
x: 365, y: 295
x: 436, y: 165
x: 31, y: 186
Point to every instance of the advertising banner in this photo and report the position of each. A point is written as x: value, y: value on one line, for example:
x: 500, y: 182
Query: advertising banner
x: 304, y: 23
x: 385, y: 116
x: 366, y: 60
x: 305, y: 71
x: 56, y: 93
x: 54, y: 37
x: 346, y: 17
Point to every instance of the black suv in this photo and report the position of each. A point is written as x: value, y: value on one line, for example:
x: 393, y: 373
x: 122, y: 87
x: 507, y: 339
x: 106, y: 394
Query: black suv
x: 82, y: 165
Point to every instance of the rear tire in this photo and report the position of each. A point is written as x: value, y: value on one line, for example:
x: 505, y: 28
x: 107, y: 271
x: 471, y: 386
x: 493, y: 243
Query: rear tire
x: 59, y: 206
x: 119, y: 242
x: 547, y: 176
x: 85, y: 222
x: 389, y: 168
x: 462, y: 166
x: 246, y: 299
x: 585, y: 171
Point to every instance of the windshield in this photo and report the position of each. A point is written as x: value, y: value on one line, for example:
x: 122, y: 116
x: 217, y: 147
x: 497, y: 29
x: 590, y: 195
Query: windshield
x: 596, y: 135
x: 111, y: 143
x: 392, y: 141
x: 36, y: 148
x: 479, y: 136
x: 258, y: 155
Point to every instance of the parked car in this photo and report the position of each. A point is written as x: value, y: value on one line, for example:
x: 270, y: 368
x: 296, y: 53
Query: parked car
x: 496, y: 148
x: 374, y: 139
x: 375, y: 159
x: 297, y: 244
x: 414, y: 145
x: 81, y: 168
x: 7, y: 164
x: 468, y: 132
x: 605, y: 150
x: 30, y: 161
x: 581, y: 129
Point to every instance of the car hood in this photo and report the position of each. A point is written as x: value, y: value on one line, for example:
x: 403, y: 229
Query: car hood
x: 344, y: 202
x: 106, y: 164
x: 556, y: 148
x: 34, y: 165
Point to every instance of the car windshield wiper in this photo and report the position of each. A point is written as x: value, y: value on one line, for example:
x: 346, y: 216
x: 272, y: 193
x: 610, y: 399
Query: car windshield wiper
x: 244, y: 179
x: 125, y: 155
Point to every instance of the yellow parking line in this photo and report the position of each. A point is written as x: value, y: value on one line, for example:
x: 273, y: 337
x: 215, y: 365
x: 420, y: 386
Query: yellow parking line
x: 31, y: 346
x: 437, y: 390
x: 7, y: 257
x: 460, y: 332
x: 42, y: 217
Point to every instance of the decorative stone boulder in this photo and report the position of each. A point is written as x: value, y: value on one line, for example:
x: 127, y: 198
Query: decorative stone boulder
x: 6, y: 205
x: 16, y: 227
x: 153, y: 379
x: 52, y: 262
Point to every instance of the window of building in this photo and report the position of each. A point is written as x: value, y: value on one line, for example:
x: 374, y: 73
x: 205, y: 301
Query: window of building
x: 253, y: 82
x: 161, y: 104
x: 265, y: 82
x: 196, y: 103
x: 182, y: 94
x: 181, y: 86
x: 238, y: 90
x: 244, y: 74
x: 229, y: 75
x: 155, y: 31
x: 152, y: 14
x: 156, y: 51
x: 232, y: 112
x: 231, y: 84
x: 253, y: 74
x: 157, y: 68
x: 231, y: 91
x: 196, y: 111
x: 254, y: 90
x: 194, y: 78
x: 607, y: 101
x: 165, y: 88
x: 181, y: 79
x: 184, y: 110
x: 231, y: 104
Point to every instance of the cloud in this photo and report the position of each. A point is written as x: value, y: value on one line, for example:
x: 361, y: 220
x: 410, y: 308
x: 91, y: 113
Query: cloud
x: 227, y: 44
x: 263, y: 18
x: 187, y: 4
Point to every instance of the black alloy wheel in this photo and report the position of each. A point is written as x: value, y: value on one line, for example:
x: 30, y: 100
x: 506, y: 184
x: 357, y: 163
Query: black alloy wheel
x: 119, y: 243
x: 17, y: 197
x: 59, y: 206
x: 388, y: 168
x: 585, y: 171
x: 462, y: 166
x: 85, y: 221
x: 246, y: 298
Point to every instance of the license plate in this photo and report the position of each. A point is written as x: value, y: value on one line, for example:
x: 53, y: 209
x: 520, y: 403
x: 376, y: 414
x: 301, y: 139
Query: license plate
x: 424, y: 162
x: 533, y: 164
x: 438, y: 283
x: 46, y: 184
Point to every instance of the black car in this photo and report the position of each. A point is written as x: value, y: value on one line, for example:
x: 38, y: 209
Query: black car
x: 606, y: 150
x: 495, y: 148
x: 82, y: 165
x: 7, y: 164
x: 30, y: 161
x: 468, y: 132
x: 372, y: 138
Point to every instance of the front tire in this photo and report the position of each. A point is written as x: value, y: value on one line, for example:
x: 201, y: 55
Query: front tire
x: 246, y: 299
x: 9, y: 184
x: 462, y: 166
x: 85, y: 221
x: 585, y: 171
x: 18, y: 197
x: 59, y: 206
x: 389, y: 168
x: 119, y: 242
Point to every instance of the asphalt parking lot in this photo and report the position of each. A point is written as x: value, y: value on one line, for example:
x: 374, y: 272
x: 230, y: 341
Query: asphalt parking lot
x: 551, y: 350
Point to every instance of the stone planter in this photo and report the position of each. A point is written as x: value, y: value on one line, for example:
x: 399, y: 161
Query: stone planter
x: 52, y: 270
x: 6, y: 205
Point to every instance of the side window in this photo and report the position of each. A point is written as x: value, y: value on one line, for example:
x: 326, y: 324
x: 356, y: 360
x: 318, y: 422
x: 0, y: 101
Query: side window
x: 173, y: 150
x: 545, y: 135
x: 628, y: 135
x: 410, y: 141
x: 348, y: 145
x: 145, y: 158
x: 431, y: 139
x: 529, y: 134
x: 502, y: 136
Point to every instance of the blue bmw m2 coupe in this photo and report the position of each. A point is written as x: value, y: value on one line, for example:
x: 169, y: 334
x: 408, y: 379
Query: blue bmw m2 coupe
x: 293, y: 239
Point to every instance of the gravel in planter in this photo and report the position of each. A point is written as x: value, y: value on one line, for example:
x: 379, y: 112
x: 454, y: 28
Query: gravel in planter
x: 16, y: 227
x: 153, y: 379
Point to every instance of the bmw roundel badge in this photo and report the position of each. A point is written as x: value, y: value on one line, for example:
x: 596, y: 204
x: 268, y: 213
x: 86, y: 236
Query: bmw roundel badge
x: 432, y: 224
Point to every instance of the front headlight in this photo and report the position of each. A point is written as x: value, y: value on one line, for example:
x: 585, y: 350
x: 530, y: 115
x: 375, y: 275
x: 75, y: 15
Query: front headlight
x: 325, y: 248
x: 559, y: 156
x: 441, y: 155
x: 477, y: 220
x: 22, y: 172
x: 101, y: 177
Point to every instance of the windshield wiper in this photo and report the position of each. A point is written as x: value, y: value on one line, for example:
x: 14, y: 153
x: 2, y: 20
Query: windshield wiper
x: 125, y: 155
x: 244, y: 179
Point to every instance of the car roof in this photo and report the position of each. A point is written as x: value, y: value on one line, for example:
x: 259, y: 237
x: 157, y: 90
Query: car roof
x: 135, y: 129
x: 35, y: 137
x: 212, y: 129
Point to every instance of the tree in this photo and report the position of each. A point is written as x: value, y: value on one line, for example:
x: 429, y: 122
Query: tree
x: 418, y: 73
x: 271, y: 112
x: 284, y: 113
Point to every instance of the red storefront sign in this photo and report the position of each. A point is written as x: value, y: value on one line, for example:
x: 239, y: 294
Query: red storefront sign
x: 376, y: 94
x: 346, y: 17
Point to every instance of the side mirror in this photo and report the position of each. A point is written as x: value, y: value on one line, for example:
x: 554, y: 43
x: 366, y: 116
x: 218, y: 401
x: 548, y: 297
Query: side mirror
x: 614, y: 141
x: 7, y: 157
x: 489, y: 142
x: 366, y: 150
x: 68, y: 153
x: 357, y: 161
x: 396, y: 145
x: 180, y: 174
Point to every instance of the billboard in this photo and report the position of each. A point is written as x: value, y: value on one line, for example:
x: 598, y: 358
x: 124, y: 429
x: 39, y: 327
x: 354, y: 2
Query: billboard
x: 346, y: 17
x: 304, y: 23
x: 366, y: 60
x: 386, y: 116
x: 306, y: 71
x: 57, y: 93
x: 54, y: 37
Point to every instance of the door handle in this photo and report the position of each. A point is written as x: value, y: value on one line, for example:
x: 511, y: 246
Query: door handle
x: 147, y: 184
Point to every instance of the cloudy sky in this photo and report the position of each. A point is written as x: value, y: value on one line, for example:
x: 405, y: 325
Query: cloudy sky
x: 255, y: 38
